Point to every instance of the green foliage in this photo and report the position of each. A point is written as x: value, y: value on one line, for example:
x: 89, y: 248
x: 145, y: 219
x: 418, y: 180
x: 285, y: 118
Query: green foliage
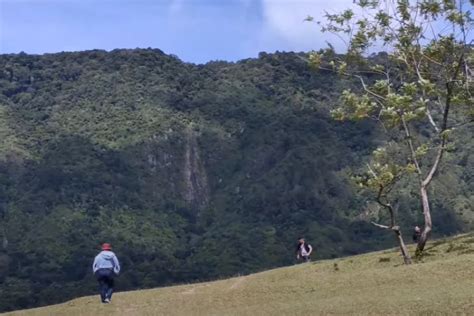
x: 192, y: 172
x: 419, y: 91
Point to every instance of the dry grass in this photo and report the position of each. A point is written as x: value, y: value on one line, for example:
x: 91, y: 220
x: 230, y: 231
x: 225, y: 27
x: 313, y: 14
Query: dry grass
x: 370, y: 284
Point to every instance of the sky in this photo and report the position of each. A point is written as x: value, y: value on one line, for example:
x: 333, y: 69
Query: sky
x: 195, y: 30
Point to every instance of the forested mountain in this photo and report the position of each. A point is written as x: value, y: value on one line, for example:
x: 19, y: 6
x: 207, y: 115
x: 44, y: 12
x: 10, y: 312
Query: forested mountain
x: 192, y: 172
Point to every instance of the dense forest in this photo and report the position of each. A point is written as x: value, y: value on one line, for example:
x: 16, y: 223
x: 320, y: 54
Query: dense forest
x: 192, y: 172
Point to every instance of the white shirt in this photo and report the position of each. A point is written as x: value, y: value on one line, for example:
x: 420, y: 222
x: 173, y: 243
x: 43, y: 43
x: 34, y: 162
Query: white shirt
x: 303, y: 251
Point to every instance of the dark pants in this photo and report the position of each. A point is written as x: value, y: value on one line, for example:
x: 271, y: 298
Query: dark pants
x: 105, y: 277
x: 305, y: 258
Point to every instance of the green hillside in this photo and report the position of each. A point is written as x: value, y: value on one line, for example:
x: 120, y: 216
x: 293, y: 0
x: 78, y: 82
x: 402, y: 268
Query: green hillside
x: 192, y: 172
x: 370, y: 284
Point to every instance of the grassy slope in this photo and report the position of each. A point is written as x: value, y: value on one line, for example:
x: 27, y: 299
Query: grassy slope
x: 374, y: 283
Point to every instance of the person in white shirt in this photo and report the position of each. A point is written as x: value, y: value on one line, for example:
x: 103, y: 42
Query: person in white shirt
x: 105, y: 267
x: 303, y: 250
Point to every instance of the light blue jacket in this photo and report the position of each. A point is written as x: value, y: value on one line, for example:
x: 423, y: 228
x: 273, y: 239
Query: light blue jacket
x: 106, y: 260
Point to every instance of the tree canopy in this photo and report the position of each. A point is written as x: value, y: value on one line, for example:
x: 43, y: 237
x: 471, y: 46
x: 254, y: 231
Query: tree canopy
x: 420, y: 93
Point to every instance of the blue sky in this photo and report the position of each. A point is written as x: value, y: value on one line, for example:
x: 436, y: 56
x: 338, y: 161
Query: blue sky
x: 195, y: 30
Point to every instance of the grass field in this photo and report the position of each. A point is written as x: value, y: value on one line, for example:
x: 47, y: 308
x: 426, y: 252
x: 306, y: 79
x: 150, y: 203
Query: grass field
x: 370, y: 284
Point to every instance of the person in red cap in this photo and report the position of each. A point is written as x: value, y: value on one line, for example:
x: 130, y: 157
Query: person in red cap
x: 106, y: 266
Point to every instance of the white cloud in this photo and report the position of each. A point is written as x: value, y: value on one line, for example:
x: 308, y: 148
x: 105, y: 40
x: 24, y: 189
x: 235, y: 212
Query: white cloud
x: 284, y: 18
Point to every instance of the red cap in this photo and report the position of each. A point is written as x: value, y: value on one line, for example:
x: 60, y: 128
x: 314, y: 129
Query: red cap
x: 106, y: 246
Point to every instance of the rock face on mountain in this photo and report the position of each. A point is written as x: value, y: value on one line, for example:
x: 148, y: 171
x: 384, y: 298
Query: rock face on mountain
x: 191, y: 171
x: 196, y: 191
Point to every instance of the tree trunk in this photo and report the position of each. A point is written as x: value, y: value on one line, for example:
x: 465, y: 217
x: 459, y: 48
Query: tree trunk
x: 425, y: 235
x: 403, y: 247
x: 401, y: 242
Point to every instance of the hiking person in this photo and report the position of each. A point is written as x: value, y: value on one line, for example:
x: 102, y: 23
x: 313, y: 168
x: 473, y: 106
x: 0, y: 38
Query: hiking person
x: 106, y: 266
x: 416, y: 234
x: 303, y: 250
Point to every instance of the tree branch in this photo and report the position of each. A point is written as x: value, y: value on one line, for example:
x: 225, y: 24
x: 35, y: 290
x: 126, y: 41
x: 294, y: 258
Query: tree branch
x: 388, y: 206
x: 434, y: 168
x: 449, y: 93
x: 394, y: 228
x: 410, y: 144
x: 444, y: 126
x: 380, y: 225
x: 430, y: 118
x: 364, y: 85
x: 421, y: 79
x: 367, y: 89
x: 372, y: 171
